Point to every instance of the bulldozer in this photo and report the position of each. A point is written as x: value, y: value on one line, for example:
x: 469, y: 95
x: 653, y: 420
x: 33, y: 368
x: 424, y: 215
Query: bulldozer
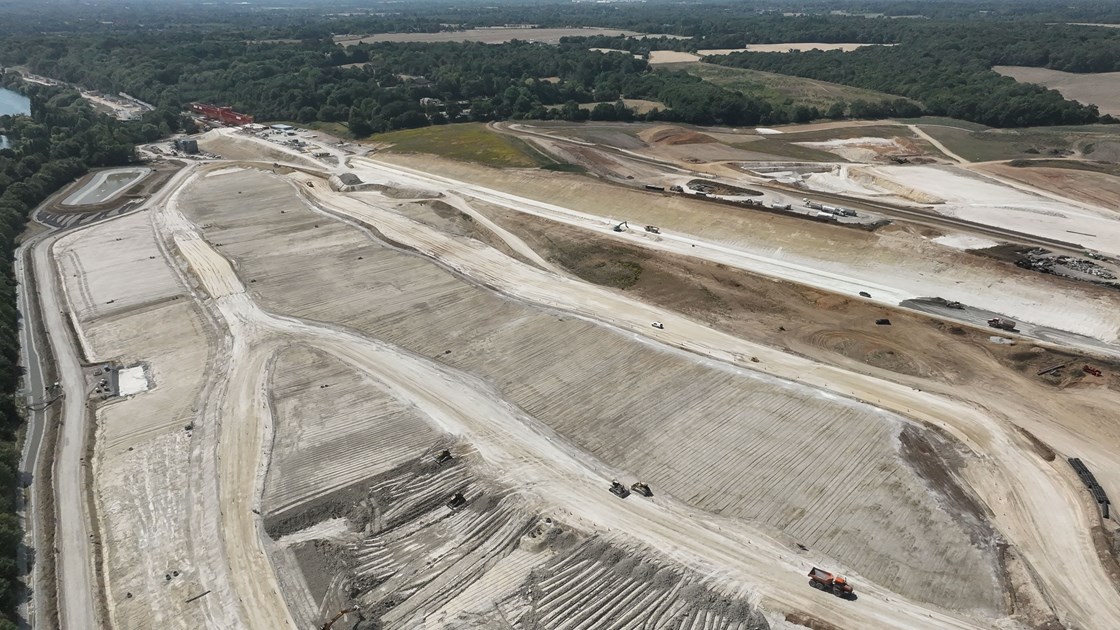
x: 829, y: 583
x: 619, y: 490
x: 444, y: 457
x: 457, y: 502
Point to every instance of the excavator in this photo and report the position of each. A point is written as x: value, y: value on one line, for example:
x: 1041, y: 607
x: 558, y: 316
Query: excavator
x: 620, y: 227
x: 341, y: 613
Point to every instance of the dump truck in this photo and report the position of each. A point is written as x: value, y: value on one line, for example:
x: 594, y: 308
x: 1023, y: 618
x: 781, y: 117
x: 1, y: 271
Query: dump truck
x: 619, y: 490
x: 1001, y: 323
x: 653, y: 228
x: 642, y: 488
x: 829, y: 583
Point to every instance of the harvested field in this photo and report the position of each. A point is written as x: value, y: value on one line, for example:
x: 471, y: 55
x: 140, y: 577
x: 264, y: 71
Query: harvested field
x: 665, y: 427
x: 471, y: 142
x: 114, y: 267
x: 1101, y: 89
x: 334, y: 427
x: 788, y: 47
x: 661, y: 57
x: 779, y: 87
x: 491, y: 35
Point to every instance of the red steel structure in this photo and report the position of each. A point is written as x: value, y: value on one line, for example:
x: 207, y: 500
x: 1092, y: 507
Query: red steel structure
x: 223, y: 114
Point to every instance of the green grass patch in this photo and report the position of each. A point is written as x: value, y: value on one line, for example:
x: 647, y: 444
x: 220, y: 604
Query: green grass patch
x: 1001, y: 144
x: 601, y: 264
x: 780, y: 88
x: 468, y: 142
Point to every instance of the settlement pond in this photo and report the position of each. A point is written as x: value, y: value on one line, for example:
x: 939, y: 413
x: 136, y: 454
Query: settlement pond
x: 12, y: 104
x: 106, y: 185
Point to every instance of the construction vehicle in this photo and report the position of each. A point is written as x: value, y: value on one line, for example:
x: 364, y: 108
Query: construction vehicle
x: 658, y: 325
x: 1088, y: 369
x: 883, y: 322
x: 619, y: 490
x: 444, y: 457
x: 642, y: 488
x: 956, y: 305
x: 653, y: 229
x: 864, y: 294
x: 340, y: 615
x: 620, y: 227
x: 829, y: 583
x: 457, y: 501
x: 1001, y: 323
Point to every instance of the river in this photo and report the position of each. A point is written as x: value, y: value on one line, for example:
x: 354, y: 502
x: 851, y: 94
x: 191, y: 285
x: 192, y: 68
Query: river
x: 12, y: 103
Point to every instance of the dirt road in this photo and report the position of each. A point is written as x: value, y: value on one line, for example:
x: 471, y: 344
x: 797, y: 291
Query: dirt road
x: 1034, y: 504
x: 76, y: 581
x: 937, y: 143
x: 514, y: 445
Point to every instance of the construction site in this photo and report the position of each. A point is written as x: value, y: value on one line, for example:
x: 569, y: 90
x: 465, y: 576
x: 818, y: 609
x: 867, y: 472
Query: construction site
x: 700, y: 384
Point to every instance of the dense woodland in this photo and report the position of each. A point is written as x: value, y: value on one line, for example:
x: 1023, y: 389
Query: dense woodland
x: 284, y: 65
x: 61, y: 139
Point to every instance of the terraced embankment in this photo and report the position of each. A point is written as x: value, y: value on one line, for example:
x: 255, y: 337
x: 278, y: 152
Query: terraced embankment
x: 826, y: 472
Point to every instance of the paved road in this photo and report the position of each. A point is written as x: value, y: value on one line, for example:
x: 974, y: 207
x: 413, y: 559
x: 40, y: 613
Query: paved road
x: 35, y: 393
x: 77, y: 607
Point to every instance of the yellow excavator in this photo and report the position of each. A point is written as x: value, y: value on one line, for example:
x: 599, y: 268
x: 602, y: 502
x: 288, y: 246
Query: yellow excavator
x: 341, y: 613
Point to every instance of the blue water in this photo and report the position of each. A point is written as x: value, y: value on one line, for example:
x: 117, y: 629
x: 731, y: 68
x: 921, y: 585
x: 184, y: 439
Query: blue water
x: 12, y: 103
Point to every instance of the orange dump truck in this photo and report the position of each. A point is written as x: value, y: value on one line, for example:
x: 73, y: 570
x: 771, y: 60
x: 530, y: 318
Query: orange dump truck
x: 835, y: 584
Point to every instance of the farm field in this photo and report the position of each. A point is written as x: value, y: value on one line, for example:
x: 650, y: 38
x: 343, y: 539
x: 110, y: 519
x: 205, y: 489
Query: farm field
x: 471, y: 142
x: 1098, y: 89
x: 488, y: 35
x: 809, y: 92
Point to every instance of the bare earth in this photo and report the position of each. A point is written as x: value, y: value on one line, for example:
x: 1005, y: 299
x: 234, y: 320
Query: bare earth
x: 311, y: 351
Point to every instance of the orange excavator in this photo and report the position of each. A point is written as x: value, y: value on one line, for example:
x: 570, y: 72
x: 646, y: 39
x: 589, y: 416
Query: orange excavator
x: 341, y: 613
x: 829, y: 583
